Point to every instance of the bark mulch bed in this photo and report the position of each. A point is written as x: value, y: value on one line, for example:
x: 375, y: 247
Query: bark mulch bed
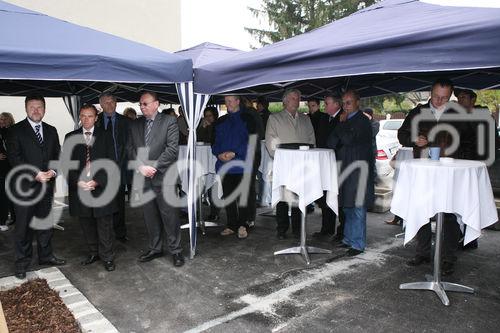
x: 35, y: 307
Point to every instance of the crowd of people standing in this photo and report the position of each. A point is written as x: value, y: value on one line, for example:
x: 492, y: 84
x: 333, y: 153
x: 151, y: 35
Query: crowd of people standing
x: 144, y: 149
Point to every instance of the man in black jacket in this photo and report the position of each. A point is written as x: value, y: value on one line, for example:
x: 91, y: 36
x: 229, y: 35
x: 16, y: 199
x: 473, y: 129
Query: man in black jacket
x: 333, y: 109
x: 96, y: 219
x: 33, y: 144
x: 440, y: 95
x: 352, y: 141
x: 118, y: 125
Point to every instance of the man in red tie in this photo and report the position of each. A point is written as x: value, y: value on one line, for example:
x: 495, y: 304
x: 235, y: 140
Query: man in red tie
x: 95, y: 215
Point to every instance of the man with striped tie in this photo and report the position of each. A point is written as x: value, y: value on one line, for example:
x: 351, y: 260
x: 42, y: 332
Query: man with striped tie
x: 95, y: 212
x: 159, y: 134
x: 31, y: 145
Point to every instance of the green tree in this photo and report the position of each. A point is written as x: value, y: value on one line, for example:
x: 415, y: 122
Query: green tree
x: 288, y: 18
x: 489, y: 98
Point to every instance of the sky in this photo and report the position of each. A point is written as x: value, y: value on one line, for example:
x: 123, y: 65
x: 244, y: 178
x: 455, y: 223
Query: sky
x: 218, y: 21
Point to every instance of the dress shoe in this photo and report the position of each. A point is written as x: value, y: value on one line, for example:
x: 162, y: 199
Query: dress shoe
x: 109, y: 265
x: 150, y: 255
x: 447, y: 269
x: 322, y: 235
x: 92, y: 258
x: 340, y: 244
x: 21, y: 275
x: 123, y: 239
x: 353, y: 252
x: 281, y: 236
x: 53, y: 262
x: 418, y: 260
x: 178, y: 259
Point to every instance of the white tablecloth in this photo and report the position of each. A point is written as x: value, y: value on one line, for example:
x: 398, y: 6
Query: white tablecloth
x: 404, y: 154
x: 425, y: 188
x: 266, y: 162
x: 206, y: 160
x: 307, y: 173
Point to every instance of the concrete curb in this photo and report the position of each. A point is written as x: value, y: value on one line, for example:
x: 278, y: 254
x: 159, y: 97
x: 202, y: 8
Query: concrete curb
x: 87, y: 316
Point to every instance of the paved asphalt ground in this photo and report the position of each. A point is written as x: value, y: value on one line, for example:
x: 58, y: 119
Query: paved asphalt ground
x: 239, y: 286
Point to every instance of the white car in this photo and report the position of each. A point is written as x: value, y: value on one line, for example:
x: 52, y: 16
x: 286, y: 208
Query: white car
x: 387, y: 146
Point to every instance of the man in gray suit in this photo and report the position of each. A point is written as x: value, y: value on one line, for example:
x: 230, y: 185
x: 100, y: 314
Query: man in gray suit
x: 159, y: 134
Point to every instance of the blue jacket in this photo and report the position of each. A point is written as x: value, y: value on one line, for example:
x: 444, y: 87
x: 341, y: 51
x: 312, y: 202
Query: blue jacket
x: 231, y: 134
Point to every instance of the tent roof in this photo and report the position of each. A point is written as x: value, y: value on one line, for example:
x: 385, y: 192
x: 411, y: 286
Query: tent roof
x: 394, y: 45
x: 206, y: 53
x: 60, y: 58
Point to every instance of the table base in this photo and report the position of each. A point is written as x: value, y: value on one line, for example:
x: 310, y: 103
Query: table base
x: 201, y: 223
x: 439, y: 287
x: 303, y: 249
x: 434, y: 282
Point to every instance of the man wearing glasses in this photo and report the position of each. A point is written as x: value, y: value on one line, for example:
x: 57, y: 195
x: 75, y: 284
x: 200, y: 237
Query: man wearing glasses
x: 352, y: 141
x: 159, y: 134
x: 438, y: 105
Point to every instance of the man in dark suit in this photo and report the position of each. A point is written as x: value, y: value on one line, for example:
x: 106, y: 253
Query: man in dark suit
x: 352, y: 141
x: 118, y: 125
x: 4, y: 170
x: 33, y: 143
x: 159, y: 134
x: 96, y: 219
x: 440, y: 95
x: 326, y: 125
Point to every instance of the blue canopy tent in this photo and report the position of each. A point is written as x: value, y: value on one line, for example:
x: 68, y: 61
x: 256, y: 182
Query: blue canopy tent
x: 44, y: 55
x: 56, y: 58
x: 391, y: 46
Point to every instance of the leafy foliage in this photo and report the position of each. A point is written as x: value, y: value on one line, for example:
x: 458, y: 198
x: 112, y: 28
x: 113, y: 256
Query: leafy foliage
x: 288, y: 18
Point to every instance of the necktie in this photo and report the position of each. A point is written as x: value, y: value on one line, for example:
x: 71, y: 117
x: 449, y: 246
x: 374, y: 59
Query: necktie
x: 38, y: 134
x: 87, y: 154
x: 147, y: 135
x: 110, y: 125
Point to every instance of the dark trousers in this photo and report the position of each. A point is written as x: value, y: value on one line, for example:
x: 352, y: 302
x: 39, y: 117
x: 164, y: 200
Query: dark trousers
x: 451, y: 236
x: 4, y: 202
x: 98, y: 233
x: 160, y: 219
x: 252, y: 196
x: 340, y: 227
x: 328, y: 217
x: 119, y: 217
x: 283, y: 220
x: 23, y: 234
x: 236, y: 212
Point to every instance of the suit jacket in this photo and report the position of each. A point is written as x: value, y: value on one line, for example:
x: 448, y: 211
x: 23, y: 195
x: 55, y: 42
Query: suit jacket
x: 443, y: 139
x: 121, y: 128
x: 102, y: 148
x: 163, y: 149
x: 4, y: 164
x: 352, y: 141
x: 325, y: 127
x: 23, y: 148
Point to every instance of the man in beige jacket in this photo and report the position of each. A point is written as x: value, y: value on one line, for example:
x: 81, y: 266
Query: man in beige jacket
x: 288, y: 126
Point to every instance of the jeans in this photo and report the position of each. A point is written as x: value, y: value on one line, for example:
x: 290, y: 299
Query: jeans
x: 355, y: 227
